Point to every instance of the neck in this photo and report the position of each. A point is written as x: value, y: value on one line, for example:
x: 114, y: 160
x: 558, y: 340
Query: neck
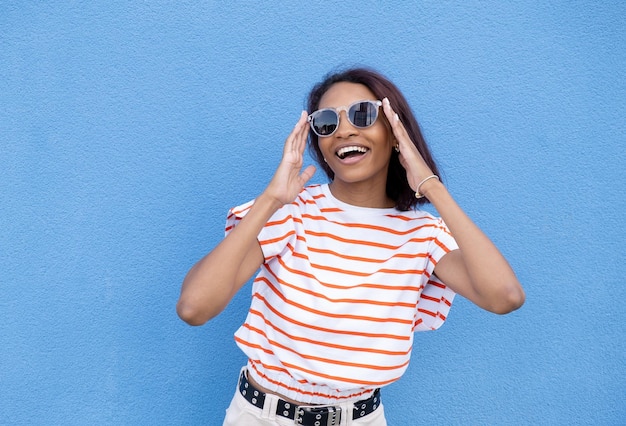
x: 362, y: 194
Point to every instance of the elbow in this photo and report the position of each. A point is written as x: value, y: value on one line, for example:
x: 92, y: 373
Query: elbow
x: 512, y: 299
x: 191, y: 313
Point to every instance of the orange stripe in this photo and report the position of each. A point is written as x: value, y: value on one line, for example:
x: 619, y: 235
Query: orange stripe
x: 432, y: 299
x: 369, y: 227
x: 409, y: 219
x: 330, y: 314
x: 368, y: 274
x: 230, y: 227
x: 356, y: 258
x: 276, y: 344
x: 437, y: 284
x: 273, y: 240
x: 440, y: 244
x: 362, y: 259
x: 345, y: 271
x: 279, y: 222
x: 239, y: 212
x: 367, y: 243
x: 418, y: 322
x: 424, y: 311
x: 326, y: 344
x: 302, y: 200
x: 331, y: 210
x: 283, y: 221
x: 336, y: 286
x: 327, y: 330
x: 322, y: 296
x: 301, y: 392
x: 252, y: 345
x: 328, y: 376
x: 342, y: 379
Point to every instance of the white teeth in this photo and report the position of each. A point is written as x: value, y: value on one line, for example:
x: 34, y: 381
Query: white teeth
x: 346, y: 149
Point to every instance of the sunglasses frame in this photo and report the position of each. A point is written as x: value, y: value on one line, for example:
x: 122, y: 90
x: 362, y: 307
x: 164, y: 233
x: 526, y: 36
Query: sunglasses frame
x: 338, y: 110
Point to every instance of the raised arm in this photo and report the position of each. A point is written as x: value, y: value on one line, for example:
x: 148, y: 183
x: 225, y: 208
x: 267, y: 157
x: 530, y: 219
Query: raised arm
x: 215, y: 279
x: 477, y: 271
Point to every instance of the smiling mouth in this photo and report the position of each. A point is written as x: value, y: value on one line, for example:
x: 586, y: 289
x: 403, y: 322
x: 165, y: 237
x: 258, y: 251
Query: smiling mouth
x: 350, y: 151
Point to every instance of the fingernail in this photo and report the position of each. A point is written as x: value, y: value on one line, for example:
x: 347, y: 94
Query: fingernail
x: 386, y: 101
x: 397, y: 118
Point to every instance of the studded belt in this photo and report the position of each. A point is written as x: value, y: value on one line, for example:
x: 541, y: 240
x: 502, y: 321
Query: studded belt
x: 313, y: 415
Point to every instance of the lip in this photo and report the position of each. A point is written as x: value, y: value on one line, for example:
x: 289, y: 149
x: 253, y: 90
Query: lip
x: 351, y: 159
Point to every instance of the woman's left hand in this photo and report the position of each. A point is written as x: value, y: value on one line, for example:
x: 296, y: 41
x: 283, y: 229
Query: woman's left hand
x: 477, y: 271
x: 410, y: 158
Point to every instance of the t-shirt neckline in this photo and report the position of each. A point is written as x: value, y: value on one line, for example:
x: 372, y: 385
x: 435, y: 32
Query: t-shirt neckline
x: 357, y: 209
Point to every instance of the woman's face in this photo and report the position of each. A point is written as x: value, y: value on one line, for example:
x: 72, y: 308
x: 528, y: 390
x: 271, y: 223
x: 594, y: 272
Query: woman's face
x: 356, y: 155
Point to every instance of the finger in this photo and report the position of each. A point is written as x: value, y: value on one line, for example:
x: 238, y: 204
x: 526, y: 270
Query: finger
x: 302, y: 134
x: 396, y: 125
x: 391, y: 115
x: 402, y: 161
x: 409, y: 154
x: 291, y: 143
x: 307, y: 174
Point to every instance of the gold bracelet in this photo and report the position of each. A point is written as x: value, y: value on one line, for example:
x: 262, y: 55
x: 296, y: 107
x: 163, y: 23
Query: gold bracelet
x: 417, y: 194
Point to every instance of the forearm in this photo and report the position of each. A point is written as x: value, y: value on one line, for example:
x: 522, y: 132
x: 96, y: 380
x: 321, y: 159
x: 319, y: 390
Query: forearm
x: 492, y: 280
x: 215, y: 279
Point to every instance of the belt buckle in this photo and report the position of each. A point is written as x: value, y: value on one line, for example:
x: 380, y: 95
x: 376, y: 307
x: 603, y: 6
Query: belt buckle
x: 317, y: 413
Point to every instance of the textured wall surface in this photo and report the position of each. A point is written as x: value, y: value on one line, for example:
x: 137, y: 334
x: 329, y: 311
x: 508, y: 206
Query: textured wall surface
x: 128, y: 128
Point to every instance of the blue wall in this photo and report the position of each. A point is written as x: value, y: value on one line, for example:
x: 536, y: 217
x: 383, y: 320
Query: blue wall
x: 128, y: 128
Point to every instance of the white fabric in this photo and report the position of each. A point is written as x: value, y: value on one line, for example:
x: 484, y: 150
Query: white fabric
x: 341, y: 292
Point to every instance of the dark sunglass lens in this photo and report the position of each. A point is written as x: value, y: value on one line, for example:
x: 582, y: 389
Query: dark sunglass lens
x: 325, y: 122
x: 363, y: 114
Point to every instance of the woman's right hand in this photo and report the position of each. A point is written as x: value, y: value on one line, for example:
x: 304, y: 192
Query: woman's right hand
x: 288, y: 180
x: 213, y: 281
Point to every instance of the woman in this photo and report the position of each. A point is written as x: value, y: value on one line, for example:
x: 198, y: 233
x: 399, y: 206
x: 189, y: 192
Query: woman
x: 348, y: 270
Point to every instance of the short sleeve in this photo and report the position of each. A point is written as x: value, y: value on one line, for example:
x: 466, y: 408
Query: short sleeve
x: 277, y: 234
x: 441, y: 244
x: 436, y: 298
x: 235, y: 215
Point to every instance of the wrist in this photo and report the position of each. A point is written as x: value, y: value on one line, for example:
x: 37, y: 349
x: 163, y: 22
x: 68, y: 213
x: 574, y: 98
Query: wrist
x: 268, y: 202
x: 431, y: 188
x: 422, y: 186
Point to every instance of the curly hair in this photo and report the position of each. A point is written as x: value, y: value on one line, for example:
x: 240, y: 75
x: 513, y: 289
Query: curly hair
x: 397, y: 188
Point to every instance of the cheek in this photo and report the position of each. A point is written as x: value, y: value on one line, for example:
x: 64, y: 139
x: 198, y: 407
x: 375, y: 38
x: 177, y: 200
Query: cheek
x: 324, y: 147
x: 388, y: 132
x: 382, y: 134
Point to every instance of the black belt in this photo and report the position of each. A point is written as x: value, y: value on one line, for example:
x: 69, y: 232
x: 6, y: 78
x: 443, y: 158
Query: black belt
x: 315, y: 415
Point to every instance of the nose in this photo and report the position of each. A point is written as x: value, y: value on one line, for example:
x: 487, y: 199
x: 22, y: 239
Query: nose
x: 345, y: 128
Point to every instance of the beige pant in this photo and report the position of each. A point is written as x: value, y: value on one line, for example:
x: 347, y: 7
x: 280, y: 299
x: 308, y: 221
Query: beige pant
x: 242, y: 413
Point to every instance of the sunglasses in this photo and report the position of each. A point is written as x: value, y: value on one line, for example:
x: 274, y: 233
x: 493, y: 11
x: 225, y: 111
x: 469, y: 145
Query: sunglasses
x: 362, y: 114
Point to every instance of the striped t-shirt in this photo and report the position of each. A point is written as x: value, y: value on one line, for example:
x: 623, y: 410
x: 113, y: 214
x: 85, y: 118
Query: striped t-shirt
x: 339, y: 295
